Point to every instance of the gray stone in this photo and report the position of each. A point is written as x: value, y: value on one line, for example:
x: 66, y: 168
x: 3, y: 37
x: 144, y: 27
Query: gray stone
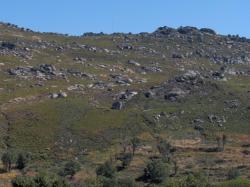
x: 132, y: 62
x: 118, y: 105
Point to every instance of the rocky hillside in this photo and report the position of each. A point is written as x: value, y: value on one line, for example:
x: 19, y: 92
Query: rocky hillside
x: 84, y: 98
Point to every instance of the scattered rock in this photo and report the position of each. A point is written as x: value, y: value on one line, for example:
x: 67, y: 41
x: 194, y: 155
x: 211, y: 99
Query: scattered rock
x: 232, y: 104
x: 149, y: 94
x: 179, y: 56
x: 216, y: 119
x: 174, y: 94
x: 151, y: 69
x: 132, y: 62
x: 127, y: 95
x: 118, y: 105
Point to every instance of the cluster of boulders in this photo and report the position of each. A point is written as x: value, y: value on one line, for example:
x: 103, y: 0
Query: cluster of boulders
x: 231, y: 104
x: 165, y: 31
x: 121, y: 80
x: 122, y: 98
x: 79, y: 74
x: 179, y: 87
x: 211, y: 46
x: 44, y: 71
x: 215, y: 119
x: 11, y: 49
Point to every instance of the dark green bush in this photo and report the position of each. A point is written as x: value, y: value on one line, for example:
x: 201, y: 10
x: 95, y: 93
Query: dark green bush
x: 155, y: 171
x: 164, y: 148
x: 8, y: 158
x: 196, y: 180
x: 135, y: 142
x: 235, y: 183
x: 106, y: 170
x: 126, y: 159
x: 50, y: 180
x: 22, y: 160
x: 192, y: 180
x: 23, y: 181
x: 71, y: 168
x: 126, y: 183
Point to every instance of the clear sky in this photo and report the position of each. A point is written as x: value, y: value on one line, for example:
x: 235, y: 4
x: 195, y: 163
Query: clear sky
x: 78, y: 16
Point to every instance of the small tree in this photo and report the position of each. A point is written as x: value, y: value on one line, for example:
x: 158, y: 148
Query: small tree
x: 204, y: 137
x: 175, y: 167
x: 155, y: 171
x: 8, y: 159
x: 22, y: 160
x: 106, y: 170
x: 224, y: 141
x: 218, y: 140
x: 71, y: 168
x: 126, y: 159
x: 164, y: 148
x: 135, y: 142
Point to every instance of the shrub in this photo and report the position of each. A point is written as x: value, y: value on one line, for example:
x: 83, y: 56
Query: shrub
x: 22, y: 160
x: 71, y: 168
x: 192, y: 180
x: 100, y: 181
x: 164, y: 148
x: 50, y: 180
x: 234, y: 183
x: 135, y: 143
x: 42, y: 179
x: 233, y: 173
x: 196, y: 180
x: 60, y: 182
x: 8, y: 159
x: 108, y: 182
x: 155, y: 171
x: 126, y: 183
x: 23, y: 181
x: 126, y: 159
x: 106, y: 170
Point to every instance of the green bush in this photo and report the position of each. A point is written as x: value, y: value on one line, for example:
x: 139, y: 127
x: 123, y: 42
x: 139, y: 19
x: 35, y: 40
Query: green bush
x: 8, y: 158
x: 126, y: 159
x: 23, y: 181
x: 135, y: 142
x: 155, y: 171
x: 164, y: 148
x: 234, y: 183
x: 41, y: 180
x: 50, y: 180
x: 71, y: 168
x: 22, y: 160
x: 108, y: 182
x: 106, y: 170
x: 126, y: 183
x: 194, y: 180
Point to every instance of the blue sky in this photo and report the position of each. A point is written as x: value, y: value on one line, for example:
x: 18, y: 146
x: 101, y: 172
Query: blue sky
x: 79, y: 16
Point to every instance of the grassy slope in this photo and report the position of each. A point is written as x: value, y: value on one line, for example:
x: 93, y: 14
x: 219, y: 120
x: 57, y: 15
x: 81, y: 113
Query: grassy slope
x: 63, y: 128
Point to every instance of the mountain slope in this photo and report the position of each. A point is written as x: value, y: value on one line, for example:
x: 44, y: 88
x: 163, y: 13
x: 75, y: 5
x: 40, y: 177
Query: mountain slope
x: 66, y: 97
